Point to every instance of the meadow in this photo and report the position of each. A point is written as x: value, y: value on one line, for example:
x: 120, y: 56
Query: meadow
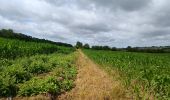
x: 146, y: 74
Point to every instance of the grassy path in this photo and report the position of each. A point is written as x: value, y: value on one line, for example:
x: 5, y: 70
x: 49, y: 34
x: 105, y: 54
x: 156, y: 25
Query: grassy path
x: 93, y: 83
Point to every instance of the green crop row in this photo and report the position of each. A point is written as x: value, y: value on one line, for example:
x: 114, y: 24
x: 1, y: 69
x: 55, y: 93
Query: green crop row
x: 144, y: 72
x: 11, y: 49
x: 53, y: 73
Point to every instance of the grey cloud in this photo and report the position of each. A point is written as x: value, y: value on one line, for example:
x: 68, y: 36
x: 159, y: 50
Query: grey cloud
x: 127, y: 5
x: 113, y: 22
x: 90, y: 29
x: 161, y: 17
x: 163, y: 33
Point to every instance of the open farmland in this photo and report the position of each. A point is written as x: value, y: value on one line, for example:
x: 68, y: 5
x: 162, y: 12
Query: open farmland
x: 147, y: 74
x: 13, y: 48
x: 84, y: 49
x: 30, y: 68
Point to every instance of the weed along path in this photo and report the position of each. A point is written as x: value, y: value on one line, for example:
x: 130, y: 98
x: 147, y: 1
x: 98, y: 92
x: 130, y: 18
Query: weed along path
x: 93, y: 83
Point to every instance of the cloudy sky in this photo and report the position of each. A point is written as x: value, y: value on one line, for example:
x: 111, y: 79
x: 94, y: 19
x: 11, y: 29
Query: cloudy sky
x: 98, y: 22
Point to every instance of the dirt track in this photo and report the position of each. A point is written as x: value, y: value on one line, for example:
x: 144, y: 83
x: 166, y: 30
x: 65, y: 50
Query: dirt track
x: 93, y: 83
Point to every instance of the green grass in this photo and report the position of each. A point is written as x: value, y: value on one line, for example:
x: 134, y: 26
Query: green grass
x: 143, y: 72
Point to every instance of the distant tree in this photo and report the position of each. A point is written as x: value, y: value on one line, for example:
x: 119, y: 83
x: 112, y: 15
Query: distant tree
x: 101, y: 47
x: 129, y: 48
x: 114, y: 49
x: 6, y: 33
x: 86, y: 46
x: 79, y: 45
x: 106, y: 48
x: 97, y: 47
x: 9, y: 33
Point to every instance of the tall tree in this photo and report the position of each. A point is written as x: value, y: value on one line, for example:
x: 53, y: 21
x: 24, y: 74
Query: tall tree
x: 79, y: 45
x: 86, y: 46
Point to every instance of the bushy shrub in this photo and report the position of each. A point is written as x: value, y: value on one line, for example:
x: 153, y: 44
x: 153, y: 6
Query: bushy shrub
x: 37, y: 86
x: 7, y: 85
x: 17, y: 71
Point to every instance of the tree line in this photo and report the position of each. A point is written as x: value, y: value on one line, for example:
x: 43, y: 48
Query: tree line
x: 9, y: 33
x: 152, y: 49
x: 80, y: 45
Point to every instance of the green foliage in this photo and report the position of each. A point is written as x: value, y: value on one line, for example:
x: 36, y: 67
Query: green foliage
x: 86, y: 46
x: 22, y: 76
x: 21, y: 65
x: 10, y: 34
x: 11, y: 49
x: 16, y: 71
x: 38, y: 67
x: 38, y: 86
x: 141, y: 70
x: 101, y: 48
x: 7, y: 85
x: 79, y: 45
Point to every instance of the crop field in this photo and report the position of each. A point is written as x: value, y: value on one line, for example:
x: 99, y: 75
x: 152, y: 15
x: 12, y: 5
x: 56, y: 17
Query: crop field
x: 30, y: 68
x: 145, y: 73
x: 11, y: 49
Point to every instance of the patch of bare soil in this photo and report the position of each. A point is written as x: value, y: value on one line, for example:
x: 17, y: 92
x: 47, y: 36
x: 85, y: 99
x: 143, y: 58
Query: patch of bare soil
x: 93, y: 83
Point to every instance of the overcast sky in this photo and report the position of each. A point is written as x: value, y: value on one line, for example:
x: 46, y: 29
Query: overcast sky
x: 98, y: 22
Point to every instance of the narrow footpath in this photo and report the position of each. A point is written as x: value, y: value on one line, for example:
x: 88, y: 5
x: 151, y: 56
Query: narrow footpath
x: 93, y: 83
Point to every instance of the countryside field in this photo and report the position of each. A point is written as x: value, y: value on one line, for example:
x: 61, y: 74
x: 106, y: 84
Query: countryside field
x: 84, y: 49
x: 34, y: 69
x: 146, y: 73
x: 29, y: 68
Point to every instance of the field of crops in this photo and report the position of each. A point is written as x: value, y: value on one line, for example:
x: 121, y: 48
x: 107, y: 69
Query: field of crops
x: 11, y: 49
x: 30, y: 68
x: 145, y: 73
